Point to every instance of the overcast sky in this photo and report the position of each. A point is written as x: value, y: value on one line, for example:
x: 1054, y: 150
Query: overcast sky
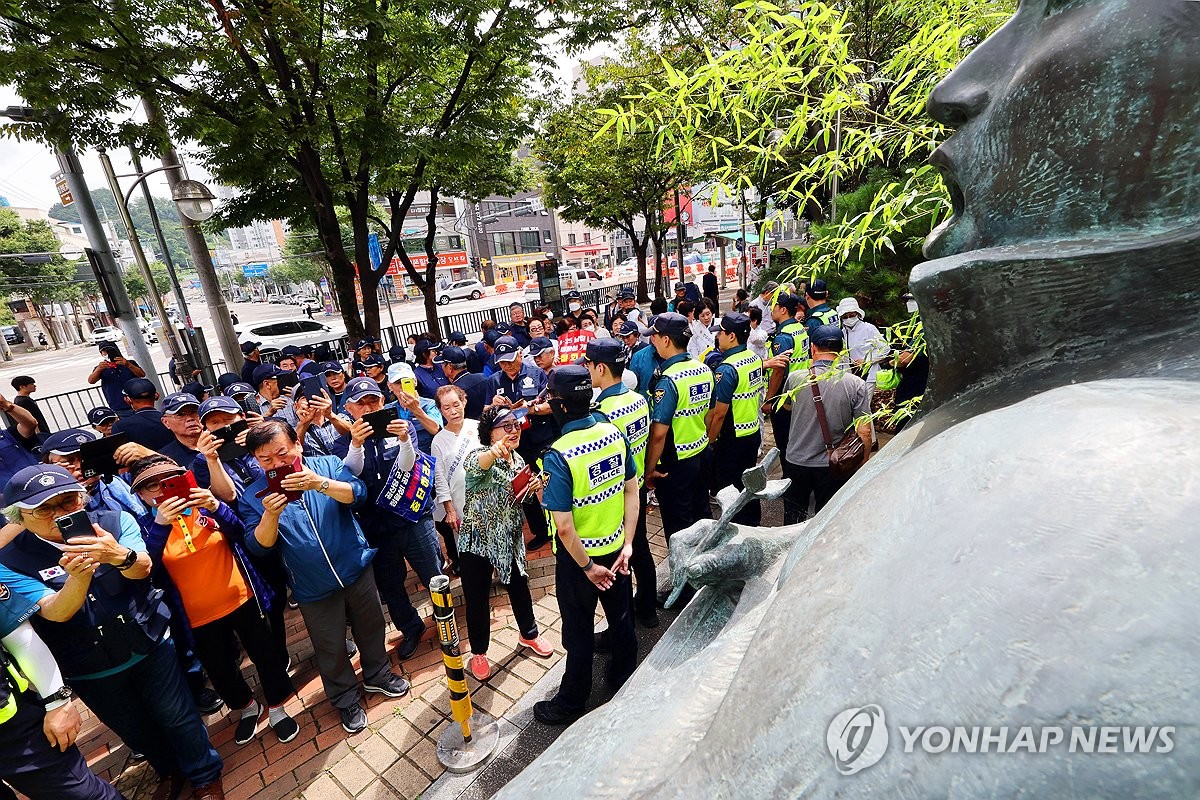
x: 26, y: 167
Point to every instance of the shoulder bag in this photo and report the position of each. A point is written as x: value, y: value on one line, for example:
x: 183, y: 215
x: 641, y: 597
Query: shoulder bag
x: 847, y: 455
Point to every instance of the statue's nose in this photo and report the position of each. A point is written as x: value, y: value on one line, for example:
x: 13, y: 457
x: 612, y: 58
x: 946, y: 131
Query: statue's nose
x: 956, y: 102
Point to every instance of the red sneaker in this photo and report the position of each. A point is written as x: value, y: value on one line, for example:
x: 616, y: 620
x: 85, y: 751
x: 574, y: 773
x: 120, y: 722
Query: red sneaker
x: 538, y: 645
x: 480, y: 668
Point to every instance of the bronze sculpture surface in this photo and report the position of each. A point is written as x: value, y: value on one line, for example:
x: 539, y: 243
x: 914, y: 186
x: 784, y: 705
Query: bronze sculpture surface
x: 1026, y: 553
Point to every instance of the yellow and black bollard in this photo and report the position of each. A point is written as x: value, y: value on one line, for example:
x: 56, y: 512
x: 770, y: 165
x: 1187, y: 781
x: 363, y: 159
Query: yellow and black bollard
x: 464, y: 747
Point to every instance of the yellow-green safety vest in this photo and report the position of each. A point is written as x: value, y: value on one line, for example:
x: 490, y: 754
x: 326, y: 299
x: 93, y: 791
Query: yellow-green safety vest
x: 748, y: 394
x: 595, y: 456
x: 799, y: 333
x: 693, y: 384
x: 12, y: 683
x: 630, y: 412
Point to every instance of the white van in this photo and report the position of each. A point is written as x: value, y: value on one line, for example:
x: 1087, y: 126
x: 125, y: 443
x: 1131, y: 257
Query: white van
x: 579, y: 280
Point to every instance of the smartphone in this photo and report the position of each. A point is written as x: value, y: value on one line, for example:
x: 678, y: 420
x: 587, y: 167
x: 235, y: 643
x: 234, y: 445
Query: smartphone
x: 379, y: 420
x: 409, y: 385
x: 178, y: 486
x: 275, y: 478
x: 287, y: 382
x: 249, y: 404
x: 74, y: 525
x: 311, y: 387
x: 230, y: 449
x: 96, y: 456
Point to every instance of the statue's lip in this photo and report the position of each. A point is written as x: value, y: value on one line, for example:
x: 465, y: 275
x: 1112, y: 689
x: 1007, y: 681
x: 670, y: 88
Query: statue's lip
x: 935, y: 244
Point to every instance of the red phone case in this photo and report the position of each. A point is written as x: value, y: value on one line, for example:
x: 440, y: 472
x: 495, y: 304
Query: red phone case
x: 275, y: 478
x: 178, y: 486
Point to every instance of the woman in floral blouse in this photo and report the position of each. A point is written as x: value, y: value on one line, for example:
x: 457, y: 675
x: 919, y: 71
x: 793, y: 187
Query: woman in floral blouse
x: 489, y: 538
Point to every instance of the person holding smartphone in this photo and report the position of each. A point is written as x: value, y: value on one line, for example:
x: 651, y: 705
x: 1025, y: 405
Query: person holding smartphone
x: 111, y: 641
x: 113, y: 371
x: 372, y: 457
x: 327, y: 557
x: 197, y: 544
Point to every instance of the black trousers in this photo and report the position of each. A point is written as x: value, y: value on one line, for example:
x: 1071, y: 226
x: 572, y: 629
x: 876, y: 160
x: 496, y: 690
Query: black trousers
x: 450, y: 539
x: 476, y: 574
x: 807, y: 482
x: 534, y: 514
x: 731, y: 457
x: 217, y: 651
x: 40, y: 771
x: 781, y: 423
x: 683, y: 494
x: 577, y: 598
x: 641, y: 562
x: 270, y: 567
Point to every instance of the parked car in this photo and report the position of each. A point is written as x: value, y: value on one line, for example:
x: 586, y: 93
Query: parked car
x: 149, y: 336
x: 275, y: 333
x: 460, y: 290
x: 105, y: 334
x: 13, y: 335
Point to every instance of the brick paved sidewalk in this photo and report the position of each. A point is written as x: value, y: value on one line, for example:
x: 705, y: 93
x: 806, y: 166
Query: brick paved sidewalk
x: 396, y: 755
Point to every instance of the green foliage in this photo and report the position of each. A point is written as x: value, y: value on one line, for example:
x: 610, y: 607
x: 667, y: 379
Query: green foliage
x: 136, y: 286
x: 168, y: 215
x: 43, y: 282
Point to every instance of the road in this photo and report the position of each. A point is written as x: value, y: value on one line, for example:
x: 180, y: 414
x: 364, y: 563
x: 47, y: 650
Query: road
x: 65, y: 370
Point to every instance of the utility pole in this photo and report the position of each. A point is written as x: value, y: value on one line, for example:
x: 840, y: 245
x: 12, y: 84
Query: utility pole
x: 155, y: 223
x: 218, y: 310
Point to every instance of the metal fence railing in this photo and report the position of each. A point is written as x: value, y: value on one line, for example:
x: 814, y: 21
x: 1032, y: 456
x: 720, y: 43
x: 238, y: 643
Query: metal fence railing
x: 69, y: 409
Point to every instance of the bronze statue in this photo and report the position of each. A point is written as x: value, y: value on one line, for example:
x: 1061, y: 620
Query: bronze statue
x: 1023, y: 555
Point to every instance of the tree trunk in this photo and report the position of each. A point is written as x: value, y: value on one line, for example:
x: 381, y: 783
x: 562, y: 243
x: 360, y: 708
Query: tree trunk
x: 639, y: 248
x: 46, y: 326
x: 431, y: 307
x: 368, y: 276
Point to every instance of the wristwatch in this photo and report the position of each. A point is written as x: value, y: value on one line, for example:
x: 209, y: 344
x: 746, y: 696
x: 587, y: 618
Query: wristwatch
x: 130, y: 560
x: 60, y: 697
x: 324, y: 485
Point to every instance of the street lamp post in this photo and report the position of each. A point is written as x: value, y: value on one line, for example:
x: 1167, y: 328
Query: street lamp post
x: 139, y: 257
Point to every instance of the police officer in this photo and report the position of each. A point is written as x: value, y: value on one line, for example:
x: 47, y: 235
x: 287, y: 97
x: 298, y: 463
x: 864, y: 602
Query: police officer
x: 791, y: 337
x: 592, y: 493
x: 617, y: 403
x: 733, y: 422
x: 38, y: 722
x: 819, y: 313
x: 523, y: 386
x: 675, y: 455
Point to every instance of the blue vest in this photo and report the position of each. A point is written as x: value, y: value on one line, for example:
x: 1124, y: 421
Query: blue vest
x: 119, y: 619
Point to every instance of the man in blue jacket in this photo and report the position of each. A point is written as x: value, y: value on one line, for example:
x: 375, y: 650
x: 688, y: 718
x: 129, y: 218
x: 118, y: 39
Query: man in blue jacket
x: 327, y: 559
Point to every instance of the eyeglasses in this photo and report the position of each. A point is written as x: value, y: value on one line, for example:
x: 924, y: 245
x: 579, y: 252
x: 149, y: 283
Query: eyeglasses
x: 56, y: 509
x: 508, y: 426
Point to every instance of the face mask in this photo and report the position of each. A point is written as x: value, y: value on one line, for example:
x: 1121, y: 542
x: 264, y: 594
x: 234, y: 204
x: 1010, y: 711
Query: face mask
x: 587, y: 326
x: 574, y: 306
x: 911, y: 305
x: 850, y: 322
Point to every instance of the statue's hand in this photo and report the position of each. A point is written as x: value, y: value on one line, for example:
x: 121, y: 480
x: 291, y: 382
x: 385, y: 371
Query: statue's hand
x: 748, y: 554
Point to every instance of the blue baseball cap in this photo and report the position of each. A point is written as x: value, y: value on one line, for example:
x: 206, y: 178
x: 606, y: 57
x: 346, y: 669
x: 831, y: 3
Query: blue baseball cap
x: 606, y: 351
x: 539, y: 345
x: 289, y: 351
x: 239, y: 388
x: 670, y: 323
x: 219, y: 403
x: 455, y: 356
x: 626, y: 294
x: 32, y: 486
x: 507, y: 349
x: 457, y: 337
x: 789, y: 301
x: 818, y: 290
x: 139, y: 389
x: 101, y: 415
x: 735, y: 323
x: 492, y: 336
x: 827, y: 336
x: 359, y: 388
x: 374, y: 360
x: 227, y: 379
x: 249, y: 347
x: 67, y: 442
x: 265, y: 372
x: 629, y: 327
x: 178, y: 401
x: 331, y: 366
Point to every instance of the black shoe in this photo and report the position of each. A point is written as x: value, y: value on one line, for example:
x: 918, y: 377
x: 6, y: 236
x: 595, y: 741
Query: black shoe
x: 649, y: 619
x: 548, y: 712
x: 286, y: 729
x: 537, y: 543
x: 354, y: 719
x: 170, y: 787
x: 351, y: 648
x: 208, y: 701
x: 247, y: 727
x: 392, y: 685
x: 602, y: 645
x: 406, y: 648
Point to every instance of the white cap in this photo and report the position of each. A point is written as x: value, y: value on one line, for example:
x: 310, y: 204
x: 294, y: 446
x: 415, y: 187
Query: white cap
x: 399, y: 371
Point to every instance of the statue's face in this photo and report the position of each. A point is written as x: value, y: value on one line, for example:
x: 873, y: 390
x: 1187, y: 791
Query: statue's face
x: 1078, y: 118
